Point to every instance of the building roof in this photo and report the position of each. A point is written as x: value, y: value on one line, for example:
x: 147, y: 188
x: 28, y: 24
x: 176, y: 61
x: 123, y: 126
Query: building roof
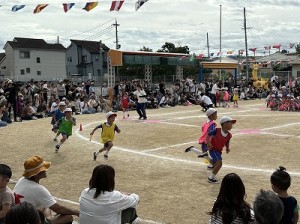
x: 279, y: 57
x: 2, y: 55
x: 91, y: 46
x: 30, y: 43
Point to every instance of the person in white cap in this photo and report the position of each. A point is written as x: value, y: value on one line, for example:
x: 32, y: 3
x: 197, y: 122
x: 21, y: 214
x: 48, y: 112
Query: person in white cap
x: 57, y: 115
x: 208, y: 126
x: 65, y: 126
x: 216, y: 141
x: 107, y: 135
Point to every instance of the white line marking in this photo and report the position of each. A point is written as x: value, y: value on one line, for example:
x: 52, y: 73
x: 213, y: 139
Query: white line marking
x: 185, y: 125
x: 280, y: 126
x: 170, y: 146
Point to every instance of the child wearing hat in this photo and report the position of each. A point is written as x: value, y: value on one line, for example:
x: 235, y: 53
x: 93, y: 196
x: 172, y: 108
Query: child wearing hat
x: 107, y: 135
x: 65, y: 126
x: 7, y: 198
x: 216, y: 141
x: 57, y: 115
x: 207, y: 127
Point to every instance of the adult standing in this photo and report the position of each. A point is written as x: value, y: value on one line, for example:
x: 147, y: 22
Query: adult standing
x: 29, y: 189
x: 101, y: 203
x: 141, y: 101
x: 213, y: 93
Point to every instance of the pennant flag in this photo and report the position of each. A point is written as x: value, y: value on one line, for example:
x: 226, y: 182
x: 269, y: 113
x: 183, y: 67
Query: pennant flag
x: 90, y: 5
x: 211, y: 54
x: 252, y: 49
x: 39, y: 8
x: 219, y: 54
x: 230, y: 52
x: 191, y: 58
x: 292, y: 45
x: 268, y: 47
x: 116, y: 5
x: 139, y: 4
x: 68, y: 6
x: 277, y: 46
x: 241, y: 52
x: 200, y: 56
x: 17, y: 8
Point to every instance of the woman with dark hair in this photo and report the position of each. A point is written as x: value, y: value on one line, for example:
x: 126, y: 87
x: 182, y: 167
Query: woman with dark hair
x: 141, y: 101
x: 24, y: 213
x: 230, y: 206
x: 101, y: 203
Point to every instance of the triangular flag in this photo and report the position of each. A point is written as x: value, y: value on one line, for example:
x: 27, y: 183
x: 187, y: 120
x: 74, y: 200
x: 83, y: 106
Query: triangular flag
x: 139, y: 4
x: 277, y: 46
x: 191, y: 58
x: 17, y: 8
x: 116, y: 5
x: 68, y: 6
x: 252, y: 49
x: 39, y: 8
x: 90, y: 5
x: 268, y: 47
x: 292, y: 45
x: 229, y: 52
x: 200, y: 56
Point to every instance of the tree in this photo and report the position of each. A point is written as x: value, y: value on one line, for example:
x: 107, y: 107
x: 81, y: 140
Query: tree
x: 298, y: 48
x: 146, y: 49
x: 170, y: 47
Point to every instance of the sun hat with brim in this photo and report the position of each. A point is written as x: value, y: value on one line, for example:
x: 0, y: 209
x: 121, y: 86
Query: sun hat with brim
x: 110, y: 113
x: 62, y: 104
x: 34, y: 165
x: 227, y: 119
x: 68, y: 110
x: 210, y: 111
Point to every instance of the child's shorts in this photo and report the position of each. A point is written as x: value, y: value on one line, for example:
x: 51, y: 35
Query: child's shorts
x: 215, y: 155
x: 204, y: 147
x: 106, y: 144
x: 65, y: 134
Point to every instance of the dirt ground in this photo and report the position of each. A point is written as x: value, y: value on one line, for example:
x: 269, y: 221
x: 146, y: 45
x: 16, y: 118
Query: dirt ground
x: 149, y: 157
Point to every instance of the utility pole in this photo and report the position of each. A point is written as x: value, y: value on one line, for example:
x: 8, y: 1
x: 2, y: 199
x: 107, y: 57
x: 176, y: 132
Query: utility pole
x: 246, y: 45
x: 220, y: 33
x: 101, y: 61
x: 207, y: 45
x: 118, y: 46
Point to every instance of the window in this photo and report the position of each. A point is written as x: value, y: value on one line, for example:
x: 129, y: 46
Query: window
x: 84, y: 58
x: 38, y: 60
x: 38, y: 72
x: 3, y: 67
x: 24, y: 54
x: 27, y: 70
x: 70, y: 59
x: 97, y: 59
x: 22, y: 72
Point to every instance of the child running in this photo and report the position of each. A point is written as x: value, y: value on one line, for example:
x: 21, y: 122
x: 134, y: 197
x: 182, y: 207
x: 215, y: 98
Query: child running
x: 65, y: 126
x: 216, y: 140
x: 57, y: 115
x: 125, y: 104
x: 107, y: 135
x: 207, y: 127
x: 235, y: 97
x: 281, y: 181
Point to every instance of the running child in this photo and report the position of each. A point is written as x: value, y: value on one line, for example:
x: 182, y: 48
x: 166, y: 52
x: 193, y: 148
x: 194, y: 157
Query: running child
x: 281, y: 181
x: 235, y: 97
x: 57, y: 115
x: 65, y: 126
x: 125, y: 104
x: 107, y: 135
x: 216, y: 141
x: 207, y: 127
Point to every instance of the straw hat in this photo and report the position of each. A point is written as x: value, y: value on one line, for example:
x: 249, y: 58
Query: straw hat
x: 34, y: 165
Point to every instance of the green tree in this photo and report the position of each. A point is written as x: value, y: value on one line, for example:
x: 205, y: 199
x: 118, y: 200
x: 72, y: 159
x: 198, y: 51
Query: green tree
x: 145, y: 49
x: 170, y: 47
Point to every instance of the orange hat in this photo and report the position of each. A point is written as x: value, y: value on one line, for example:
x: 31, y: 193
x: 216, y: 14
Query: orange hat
x: 34, y: 165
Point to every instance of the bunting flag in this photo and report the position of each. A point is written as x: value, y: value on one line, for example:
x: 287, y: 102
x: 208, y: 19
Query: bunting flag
x: 39, y: 8
x: 230, y: 52
x: 139, y: 4
x: 252, y: 49
x: 17, y: 8
x: 211, y: 54
x: 292, y: 45
x: 277, y: 46
x: 67, y: 6
x: 116, y: 5
x: 191, y: 58
x: 90, y: 5
x: 241, y: 52
x: 219, y: 54
x: 200, y: 56
x: 268, y: 47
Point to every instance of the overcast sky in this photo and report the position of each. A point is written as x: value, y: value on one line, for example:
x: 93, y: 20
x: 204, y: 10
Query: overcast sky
x: 182, y: 22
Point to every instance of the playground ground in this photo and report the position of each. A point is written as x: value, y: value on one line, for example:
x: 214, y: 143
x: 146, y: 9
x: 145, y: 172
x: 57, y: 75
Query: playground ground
x: 149, y: 157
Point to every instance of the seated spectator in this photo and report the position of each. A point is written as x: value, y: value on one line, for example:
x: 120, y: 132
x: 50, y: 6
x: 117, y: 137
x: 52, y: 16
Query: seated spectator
x: 86, y: 108
x: 93, y: 102
x: 3, y: 116
x: 230, y: 206
x: 29, y: 189
x: 7, y: 198
x: 268, y: 208
x: 101, y: 203
x: 24, y: 213
x: 27, y: 112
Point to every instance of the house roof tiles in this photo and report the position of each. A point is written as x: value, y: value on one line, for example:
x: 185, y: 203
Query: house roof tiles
x: 30, y: 43
x: 91, y: 46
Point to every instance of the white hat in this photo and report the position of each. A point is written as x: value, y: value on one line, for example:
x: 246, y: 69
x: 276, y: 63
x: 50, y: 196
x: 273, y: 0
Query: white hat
x: 226, y: 119
x: 62, y: 104
x: 64, y: 98
x: 210, y: 111
x: 110, y: 113
x: 68, y: 110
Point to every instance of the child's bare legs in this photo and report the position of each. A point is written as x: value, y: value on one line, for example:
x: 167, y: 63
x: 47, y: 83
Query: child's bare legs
x: 107, y: 147
x: 64, y: 138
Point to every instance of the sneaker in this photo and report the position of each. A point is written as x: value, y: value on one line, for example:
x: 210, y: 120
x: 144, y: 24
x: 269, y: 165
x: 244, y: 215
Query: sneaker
x: 94, y: 156
x: 105, y: 156
x: 57, y: 148
x: 203, y: 154
x: 188, y: 149
x: 145, y: 118
x: 212, y: 180
x: 140, y: 118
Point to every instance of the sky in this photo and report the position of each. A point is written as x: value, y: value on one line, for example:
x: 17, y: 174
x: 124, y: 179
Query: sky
x: 182, y: 22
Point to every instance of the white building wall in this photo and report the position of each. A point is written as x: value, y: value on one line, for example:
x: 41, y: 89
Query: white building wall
x: 72, y: 60
x: 296, y: 70
x: 8, y: 63
x: 52, y: 65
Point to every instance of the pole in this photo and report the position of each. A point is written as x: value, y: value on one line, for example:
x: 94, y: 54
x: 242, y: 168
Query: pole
x: 101, y: 62
x: 117, y: 40
x: 207, y: 45
x: 246, y: 45
x: 220, y: 53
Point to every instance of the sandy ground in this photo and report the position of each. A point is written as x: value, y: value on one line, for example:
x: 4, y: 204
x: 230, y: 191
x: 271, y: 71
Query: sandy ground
x: 149, y: 157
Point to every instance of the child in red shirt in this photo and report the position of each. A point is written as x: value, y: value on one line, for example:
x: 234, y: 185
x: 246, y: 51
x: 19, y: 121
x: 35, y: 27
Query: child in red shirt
x: 216, y: 140
x: 125, y: 104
